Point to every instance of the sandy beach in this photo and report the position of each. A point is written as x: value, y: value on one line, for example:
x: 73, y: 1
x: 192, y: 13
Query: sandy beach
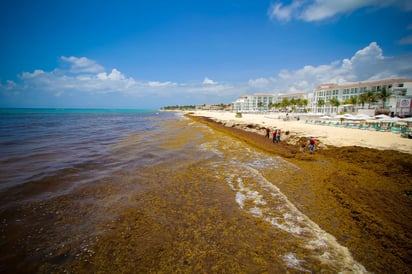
x: 356, y: 186
x: 326, y: 135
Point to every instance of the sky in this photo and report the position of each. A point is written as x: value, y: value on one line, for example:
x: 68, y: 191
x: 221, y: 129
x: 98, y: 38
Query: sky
x: 149, y: 54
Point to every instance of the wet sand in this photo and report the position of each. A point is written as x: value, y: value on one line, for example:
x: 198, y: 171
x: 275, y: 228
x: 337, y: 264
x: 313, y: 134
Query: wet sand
x: 360, y: 195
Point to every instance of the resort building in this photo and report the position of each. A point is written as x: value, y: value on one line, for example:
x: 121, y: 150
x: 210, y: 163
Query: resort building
x: 262, y: 101
x: 364, y: 95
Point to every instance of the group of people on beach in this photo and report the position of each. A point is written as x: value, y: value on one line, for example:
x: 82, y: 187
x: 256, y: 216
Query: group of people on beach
x: 275, y: 135
x: 276, y: 139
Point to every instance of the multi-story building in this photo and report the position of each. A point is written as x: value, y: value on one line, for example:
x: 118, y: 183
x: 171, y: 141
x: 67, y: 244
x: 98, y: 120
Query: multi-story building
x: 399, y: 103
x: 262, y: 101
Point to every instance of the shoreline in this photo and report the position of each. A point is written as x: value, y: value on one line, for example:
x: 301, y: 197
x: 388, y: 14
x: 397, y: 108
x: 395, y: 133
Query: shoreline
x: 326, y: 135
x: 360, y: 195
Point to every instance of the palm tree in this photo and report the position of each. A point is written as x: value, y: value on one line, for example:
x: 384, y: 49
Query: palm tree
x: 278, y: 105
x: 260, y: 105
x: 335, y: 103
x: 384, y: 94
x: 285, y: 102
x: 305, y: 103
x: 320, y: 103
x: 371, y: 97
x: 353, y: 100
x: 362, y: 99
x: 300, y: 103
x: 293, y: 102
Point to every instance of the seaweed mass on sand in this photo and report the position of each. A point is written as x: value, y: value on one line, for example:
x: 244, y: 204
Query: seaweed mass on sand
x: 360, y: 195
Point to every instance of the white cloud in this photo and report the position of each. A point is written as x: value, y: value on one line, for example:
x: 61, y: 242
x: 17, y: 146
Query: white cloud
x: 82, y: 65
x: 161, y: 84
x: 366, y: 64
x: 406, y: 40
x: 27, y: 75
x: 10, y: 85
x: 259, y: 83
x: 102, y: 76
x: 317, y: 10
x: 208, y: 81
x: 115, y: 75
x: 85, y: 76
x: 323, y: 9
x: 284, y: 13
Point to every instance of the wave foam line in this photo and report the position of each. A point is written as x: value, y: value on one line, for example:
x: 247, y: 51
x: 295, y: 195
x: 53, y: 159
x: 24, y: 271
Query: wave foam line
x: 283, y: 214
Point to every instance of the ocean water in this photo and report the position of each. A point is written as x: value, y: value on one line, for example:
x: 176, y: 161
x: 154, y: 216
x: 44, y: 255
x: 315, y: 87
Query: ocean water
x: 142, y: 191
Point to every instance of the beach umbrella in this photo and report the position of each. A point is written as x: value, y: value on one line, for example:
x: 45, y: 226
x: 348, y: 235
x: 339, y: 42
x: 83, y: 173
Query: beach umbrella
x: 341, y: 117
x: 363, y: 117
x: 409, y: 119
x: 382, y: 116
x: 351, y: 117
x: 355, y: 118
x: 344, y: 116
x: 404, y: 123
x: 325, y: 117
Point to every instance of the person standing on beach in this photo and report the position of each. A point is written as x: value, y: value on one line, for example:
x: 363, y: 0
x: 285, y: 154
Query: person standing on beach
x: 278, y: 136
x: 275, y: 132
x: 312, y: 144
x: 267, y: 132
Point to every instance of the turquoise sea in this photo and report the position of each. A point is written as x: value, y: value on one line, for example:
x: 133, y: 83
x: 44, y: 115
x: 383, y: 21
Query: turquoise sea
x: 140, y: 191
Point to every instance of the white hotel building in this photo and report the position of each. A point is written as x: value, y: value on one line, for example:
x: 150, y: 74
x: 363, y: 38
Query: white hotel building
x: 400, y: 103
x: 261, y: 101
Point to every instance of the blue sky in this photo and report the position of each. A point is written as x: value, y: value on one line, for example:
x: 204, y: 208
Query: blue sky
x: 148, y: 54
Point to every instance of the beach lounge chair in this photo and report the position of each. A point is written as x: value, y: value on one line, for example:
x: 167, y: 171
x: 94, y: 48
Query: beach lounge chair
x: 363, y: 127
